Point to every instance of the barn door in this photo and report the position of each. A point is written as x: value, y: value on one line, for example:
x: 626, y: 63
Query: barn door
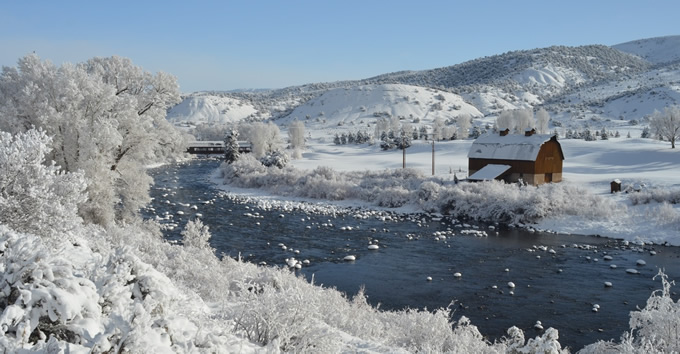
x: 548, y: 177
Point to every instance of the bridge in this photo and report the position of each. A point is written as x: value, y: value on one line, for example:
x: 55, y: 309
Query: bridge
x: 215, y: 147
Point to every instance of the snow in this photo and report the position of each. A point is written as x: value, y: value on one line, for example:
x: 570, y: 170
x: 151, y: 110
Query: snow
x: 514, y: 147
x: 197, y: 109
x: 489, y: 172
x: 656, y: 50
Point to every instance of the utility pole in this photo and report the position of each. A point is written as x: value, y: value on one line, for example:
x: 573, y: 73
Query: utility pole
x: 433, y: 155
x: 403, y: 149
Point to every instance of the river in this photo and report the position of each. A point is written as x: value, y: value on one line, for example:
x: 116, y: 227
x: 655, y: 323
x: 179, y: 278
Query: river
x: 558, y: 279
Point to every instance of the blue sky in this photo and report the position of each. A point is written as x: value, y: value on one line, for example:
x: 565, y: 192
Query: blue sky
x: 223, y: 45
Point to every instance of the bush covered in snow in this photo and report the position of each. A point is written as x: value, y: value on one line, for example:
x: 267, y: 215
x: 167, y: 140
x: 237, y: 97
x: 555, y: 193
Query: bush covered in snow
x: 486, y: 201
x: 35, y: 197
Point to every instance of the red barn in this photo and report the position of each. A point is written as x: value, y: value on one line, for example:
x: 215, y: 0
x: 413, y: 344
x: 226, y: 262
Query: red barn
x: 533, y: 158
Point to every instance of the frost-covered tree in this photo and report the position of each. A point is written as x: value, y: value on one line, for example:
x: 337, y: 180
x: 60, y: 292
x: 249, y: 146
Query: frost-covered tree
x: 276, y: 158
x: 296, y: 135
x: 667, y: 124
x: 542, y: 119
x: 646, y: 134
x: 263, y: 137
x: 525, y: 119
x: 588, y: 135
x: 231, y: 152
x: 195, y: 234
x: 35, y: 197
x: 463, y: 123
x: 438, y: 129
x: 423, y: 133
x: 106, y: 118
x: 604, y: 135
x: 506, y: 120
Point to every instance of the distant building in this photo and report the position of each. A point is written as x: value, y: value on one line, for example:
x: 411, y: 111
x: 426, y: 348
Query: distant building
x: 532, y: 158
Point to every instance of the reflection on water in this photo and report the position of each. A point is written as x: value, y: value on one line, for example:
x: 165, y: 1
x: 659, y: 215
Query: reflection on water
x: 557, y: 278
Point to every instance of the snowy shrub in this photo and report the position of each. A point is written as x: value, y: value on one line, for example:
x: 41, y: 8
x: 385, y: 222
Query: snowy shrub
x: 392, y: 197
x: 276, y: 158
x: 35, y: 197
x: 195, y: 234
x: 658, y: 195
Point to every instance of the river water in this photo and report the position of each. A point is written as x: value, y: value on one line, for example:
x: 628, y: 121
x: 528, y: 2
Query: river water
x: 557, y: 278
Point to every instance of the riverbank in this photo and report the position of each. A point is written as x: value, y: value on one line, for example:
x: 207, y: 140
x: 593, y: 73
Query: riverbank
x: 585, y: 204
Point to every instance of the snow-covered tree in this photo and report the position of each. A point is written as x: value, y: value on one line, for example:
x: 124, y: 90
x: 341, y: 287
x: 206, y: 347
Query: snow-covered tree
x: 231, y: 152
x: 463, y: 123
x: 667, y: 124
x: 263, y: 137
x: 438, y: 129
x: 524, y: 119
x: 646, y: 134
x: 195, y: 234
x: 35, y: 197
x: 276, y: 158
x: 506, y: 120
x: 296, y: 136
x: 107, y: 119
x: 542, y: 119
x: 604, y: 135
x: 588, y: 135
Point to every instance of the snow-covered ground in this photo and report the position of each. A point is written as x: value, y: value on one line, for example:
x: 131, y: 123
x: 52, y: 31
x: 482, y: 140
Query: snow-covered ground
x: 592, y: 165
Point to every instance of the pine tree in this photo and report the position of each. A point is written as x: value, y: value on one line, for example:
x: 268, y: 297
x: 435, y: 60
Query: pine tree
x: 604, y: 135
x: 350, y: 138
x: 645, y: 133
x: 476, y: 132
x: 231, y: 152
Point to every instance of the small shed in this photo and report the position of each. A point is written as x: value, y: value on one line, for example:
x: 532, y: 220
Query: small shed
x: 530, y: 157
x: 615, y: 186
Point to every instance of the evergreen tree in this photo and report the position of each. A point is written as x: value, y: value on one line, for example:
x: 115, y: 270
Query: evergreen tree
x: 336, y: 139
x: 350, y: 138
x: 231, y: 146
x: 476, y: 132
x: 645, y: 133
x: 343, y: 139
x: 276, y: 158
x: 360, y: 137
x: 423, y: 133
x: 604, y: 135
x: 588, y: 135
x: 628, y: 135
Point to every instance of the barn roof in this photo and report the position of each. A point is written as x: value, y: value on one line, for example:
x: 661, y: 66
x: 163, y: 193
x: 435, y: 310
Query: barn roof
x: 489, y: 172
x: 508, y: 147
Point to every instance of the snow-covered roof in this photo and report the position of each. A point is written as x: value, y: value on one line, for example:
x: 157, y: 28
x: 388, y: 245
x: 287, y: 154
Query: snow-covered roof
x: 489, y: 172
x: 508, y: 147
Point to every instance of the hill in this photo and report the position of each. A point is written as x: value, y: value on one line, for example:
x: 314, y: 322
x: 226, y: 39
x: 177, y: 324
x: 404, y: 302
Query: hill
x: 594, y: 85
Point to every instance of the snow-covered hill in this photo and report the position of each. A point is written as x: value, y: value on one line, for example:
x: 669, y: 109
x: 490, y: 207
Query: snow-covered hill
x: 210, y: 109
x: 360, y: 106
x: 655, y: 50
x: 592, y: 85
